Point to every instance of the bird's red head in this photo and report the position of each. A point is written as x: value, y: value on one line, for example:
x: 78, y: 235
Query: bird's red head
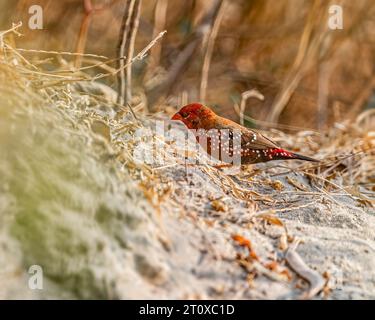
x: 195, y: 116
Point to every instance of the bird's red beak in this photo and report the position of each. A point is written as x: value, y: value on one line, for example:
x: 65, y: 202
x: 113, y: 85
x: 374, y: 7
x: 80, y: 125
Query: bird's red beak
x: 177, y: 116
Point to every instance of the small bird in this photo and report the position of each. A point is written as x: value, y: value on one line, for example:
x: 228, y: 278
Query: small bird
x: 253, y: 146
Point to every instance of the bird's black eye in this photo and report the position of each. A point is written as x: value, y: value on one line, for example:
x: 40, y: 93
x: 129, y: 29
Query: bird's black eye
x: 184, y: 114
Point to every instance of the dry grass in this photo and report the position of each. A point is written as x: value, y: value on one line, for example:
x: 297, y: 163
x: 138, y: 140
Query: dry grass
x: 346, y: 151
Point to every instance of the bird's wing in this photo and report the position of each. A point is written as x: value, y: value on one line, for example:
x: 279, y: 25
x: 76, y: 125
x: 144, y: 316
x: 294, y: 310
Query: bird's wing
x: 249, y: 138
x: 255, y: 140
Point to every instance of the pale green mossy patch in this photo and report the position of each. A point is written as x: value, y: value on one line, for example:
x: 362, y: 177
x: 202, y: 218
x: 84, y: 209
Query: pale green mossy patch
x: 70, y: 213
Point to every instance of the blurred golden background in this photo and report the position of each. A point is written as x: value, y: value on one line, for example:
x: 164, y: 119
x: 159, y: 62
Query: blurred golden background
x: 309, y: 75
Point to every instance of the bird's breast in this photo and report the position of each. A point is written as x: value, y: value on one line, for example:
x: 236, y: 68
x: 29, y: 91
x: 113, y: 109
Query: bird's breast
x: 221, y: 144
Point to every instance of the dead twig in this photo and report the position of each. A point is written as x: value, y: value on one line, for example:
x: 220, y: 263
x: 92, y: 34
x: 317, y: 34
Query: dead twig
x: 129, y: 56
x: 89, y: 11
x: 185, y: 56
x: 310, y: 50
x: 160, y: 18
x: 253, y: 93
x: 315, y: 280
x: 126, y: 47
x: 209, y: 51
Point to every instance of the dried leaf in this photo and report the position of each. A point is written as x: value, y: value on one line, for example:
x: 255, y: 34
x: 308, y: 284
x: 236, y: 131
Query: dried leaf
x: 219, y: 205
x: 277, y: 185
x: 101, y: 128
x: 271, y: 219
x: 354, y: 191
x: 241, y: 241
x: 271, y: 265
x: 253, y: 255
x: 274, y: 266
x: 283, y: 242
x: 287, y: 274
x: 296, y: 184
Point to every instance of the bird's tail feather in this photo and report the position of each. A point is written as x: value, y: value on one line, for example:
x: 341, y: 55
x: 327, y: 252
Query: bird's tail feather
x: 301, y: 157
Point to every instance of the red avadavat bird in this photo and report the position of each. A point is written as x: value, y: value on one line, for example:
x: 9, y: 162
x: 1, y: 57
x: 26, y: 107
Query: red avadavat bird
x: 253, y: 146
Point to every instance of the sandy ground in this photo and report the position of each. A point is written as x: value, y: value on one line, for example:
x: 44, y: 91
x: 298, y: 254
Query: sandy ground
x: 337, y: 238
